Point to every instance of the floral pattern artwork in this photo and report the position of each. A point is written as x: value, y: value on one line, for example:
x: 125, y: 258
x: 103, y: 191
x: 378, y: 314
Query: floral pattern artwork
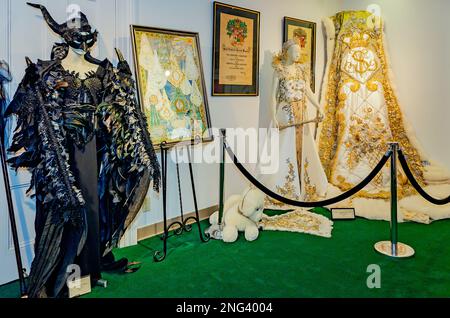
x: 171, y: 85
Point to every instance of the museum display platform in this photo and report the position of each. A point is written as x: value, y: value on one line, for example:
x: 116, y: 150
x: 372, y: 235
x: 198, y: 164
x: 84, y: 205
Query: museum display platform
x: 281, y: 264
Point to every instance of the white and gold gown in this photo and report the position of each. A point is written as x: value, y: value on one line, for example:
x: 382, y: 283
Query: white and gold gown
x: 300, y: 175
x: 362, y: 115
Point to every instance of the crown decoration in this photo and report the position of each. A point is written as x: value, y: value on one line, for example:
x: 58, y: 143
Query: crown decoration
x: 357, y: 39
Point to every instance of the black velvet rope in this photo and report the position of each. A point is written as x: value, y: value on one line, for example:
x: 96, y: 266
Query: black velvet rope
x: 416, y: 185
x: 327, y: 202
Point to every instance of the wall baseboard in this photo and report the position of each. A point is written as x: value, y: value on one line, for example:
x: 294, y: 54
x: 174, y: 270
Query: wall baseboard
x: 158, y: 228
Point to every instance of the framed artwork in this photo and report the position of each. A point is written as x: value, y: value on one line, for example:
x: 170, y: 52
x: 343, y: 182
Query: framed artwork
x: 304, y: 32
x: 235, y: 51
x: 171, y: 85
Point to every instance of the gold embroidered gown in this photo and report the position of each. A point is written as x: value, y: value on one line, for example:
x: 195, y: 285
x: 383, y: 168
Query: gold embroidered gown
x: 362, y: 115
x: 300, y: 175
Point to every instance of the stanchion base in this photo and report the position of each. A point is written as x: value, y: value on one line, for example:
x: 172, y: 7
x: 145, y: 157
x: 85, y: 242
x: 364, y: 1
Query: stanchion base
x: 403, y: 250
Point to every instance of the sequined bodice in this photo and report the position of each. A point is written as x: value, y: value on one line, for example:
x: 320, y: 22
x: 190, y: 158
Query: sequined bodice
x: 291, y: 94
x: 292, y: 83
x: 291, y: 90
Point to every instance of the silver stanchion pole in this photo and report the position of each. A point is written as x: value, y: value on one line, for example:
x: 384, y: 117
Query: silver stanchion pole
x: 394, y: 248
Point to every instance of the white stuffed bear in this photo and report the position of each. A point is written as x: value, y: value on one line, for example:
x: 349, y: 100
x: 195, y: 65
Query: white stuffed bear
x: 242, y: 213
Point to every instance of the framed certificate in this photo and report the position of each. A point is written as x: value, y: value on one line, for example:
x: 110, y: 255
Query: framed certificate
x: 171, y: 85
x: 235, y: 51
x: 304, y: 32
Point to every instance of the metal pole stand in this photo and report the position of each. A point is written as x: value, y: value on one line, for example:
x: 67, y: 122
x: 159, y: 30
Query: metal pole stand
x: 394, y: 248
x: 223, y: 136
x: 184, y: 225
x: 216, y: 229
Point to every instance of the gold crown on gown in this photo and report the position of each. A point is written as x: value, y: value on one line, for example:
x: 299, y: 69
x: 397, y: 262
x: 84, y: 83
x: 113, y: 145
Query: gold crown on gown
x: 358, y: 39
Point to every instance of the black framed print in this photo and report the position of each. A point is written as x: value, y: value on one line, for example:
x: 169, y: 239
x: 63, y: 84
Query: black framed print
x: 235, y: 51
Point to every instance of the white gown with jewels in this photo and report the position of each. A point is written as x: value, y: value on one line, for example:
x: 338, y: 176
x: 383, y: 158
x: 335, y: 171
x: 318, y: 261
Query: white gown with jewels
x: 300, y: 175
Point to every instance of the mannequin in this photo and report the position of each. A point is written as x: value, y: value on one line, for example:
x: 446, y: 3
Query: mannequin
x: 86, y: 161
x: 293, y: 57
x: 90, y: 260
x: 300, y: 176
x: 85, y: 141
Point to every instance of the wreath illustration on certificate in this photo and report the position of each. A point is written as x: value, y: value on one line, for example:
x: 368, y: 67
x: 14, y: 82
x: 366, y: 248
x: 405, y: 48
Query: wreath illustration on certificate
x: 171, y: 85
x: 236, y: 51
x: 238, y: 30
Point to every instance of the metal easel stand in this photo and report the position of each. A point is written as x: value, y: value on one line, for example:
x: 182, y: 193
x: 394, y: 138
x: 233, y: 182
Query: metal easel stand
x: 394, y: 248
x: 183, y: 225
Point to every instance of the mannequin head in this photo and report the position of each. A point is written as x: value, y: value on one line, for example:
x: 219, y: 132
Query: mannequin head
x: 291, y: 52
x: 294, y: 53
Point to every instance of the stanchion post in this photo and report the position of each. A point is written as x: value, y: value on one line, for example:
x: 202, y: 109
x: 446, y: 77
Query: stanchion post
x: 394, y: 200
x: 223, y: 135
x: 394, y: 248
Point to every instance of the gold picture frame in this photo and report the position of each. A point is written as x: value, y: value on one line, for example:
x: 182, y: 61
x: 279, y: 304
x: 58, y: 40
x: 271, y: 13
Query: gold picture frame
x: 308, y: 42
x: 171, y: 85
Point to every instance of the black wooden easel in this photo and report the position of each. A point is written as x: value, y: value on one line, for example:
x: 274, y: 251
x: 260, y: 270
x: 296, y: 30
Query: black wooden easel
x: 183, y: 226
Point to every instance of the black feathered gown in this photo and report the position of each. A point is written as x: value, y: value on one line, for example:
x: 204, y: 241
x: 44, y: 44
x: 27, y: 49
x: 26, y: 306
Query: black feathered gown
x: 87, y: 146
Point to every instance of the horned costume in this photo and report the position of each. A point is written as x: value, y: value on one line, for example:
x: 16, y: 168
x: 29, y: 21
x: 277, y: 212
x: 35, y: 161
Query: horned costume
x: 86, y: 143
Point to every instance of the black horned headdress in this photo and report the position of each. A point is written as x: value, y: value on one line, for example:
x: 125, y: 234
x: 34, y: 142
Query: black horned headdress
x: 77, y: 32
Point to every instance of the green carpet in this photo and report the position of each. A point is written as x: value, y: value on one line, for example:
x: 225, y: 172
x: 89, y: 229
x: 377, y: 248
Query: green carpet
x: 287, y: 265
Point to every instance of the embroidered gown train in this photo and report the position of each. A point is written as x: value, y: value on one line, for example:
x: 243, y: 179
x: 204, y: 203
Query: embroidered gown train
x: 362, y: 115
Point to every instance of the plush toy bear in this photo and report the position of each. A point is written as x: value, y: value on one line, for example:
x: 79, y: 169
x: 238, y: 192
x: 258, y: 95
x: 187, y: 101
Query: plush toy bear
x: 242, y: 213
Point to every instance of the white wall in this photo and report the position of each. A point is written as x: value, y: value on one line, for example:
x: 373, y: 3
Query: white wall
x: 419, y: 46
